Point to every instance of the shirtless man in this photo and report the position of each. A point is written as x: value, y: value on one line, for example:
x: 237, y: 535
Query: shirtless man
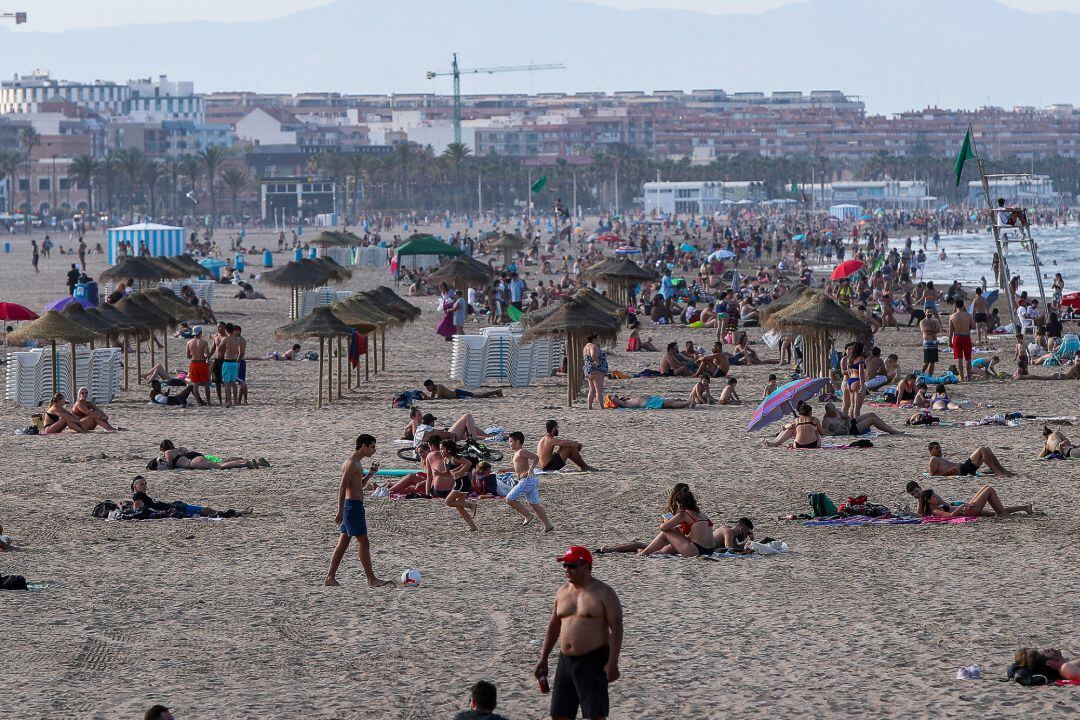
x: 217, y: 350
x: 960, y: 326
x: 716, y: 364
x: 241, y: 378
x: 978, y: 311
x: 835, y: 422
x: 554, y: 451
x: 671, y: 365
x: 876, y: 373
x: 528, y: 486
x: 587, y: 623
x: 734, y: 537
x: 437, y: 391
x: 230, y: 349
x: 929, y: 327
x: 350, y: 515
x: 198, y: 350
x: 982, y: 455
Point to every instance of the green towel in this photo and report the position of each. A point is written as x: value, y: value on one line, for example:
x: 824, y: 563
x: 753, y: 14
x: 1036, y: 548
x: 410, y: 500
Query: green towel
x: 513, y: 313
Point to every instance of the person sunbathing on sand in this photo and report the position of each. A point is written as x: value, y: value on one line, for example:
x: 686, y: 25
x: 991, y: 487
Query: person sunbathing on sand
x: 180, y: 458
x: 717, y: 364
x: 734, y: 537
x: 930, y: 504
x: 806, y: 430
x: 982, y: 456
x: 670, y: 364
x: 143, y: 502
x: 684, y: 530
x: 941, y: 401
x: 1049, y: 663
x: 464, y: 427
x: 1056, y: 442
x: 650, y: 402
x: 437, y: 391
x: 835, y: 422
x: 634, y: 343
x: 83, y: 409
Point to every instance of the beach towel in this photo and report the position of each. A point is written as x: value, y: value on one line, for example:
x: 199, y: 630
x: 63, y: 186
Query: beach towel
x: 1053, y: 456
x: 1067, y: 682
x: 857, y: 445
x: 979, y: 473
x: 860, y: 520
x: 946, y: 379
x: 394, y: 472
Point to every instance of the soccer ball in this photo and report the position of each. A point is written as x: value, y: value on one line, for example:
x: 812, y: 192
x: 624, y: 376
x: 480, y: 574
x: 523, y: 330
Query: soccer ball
x: 410, y: 578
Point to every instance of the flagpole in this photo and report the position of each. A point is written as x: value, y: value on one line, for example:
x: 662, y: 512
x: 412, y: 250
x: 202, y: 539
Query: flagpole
x: 528, y: 202
x: 1003, y: 266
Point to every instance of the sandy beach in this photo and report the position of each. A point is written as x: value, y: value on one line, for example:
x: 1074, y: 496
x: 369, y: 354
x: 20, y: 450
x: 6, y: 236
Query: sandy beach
x: 229, y: 618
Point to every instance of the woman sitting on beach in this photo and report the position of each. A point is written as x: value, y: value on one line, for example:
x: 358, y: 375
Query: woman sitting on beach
x: 58, y: 418
x: 634, y: 343
x: 84, y: 409
x: 414, y: 483
x: 684, y: 530
x: 742, y: 353
x: 180, y: 458
x: 806, y: 430
x: 450, y: 478
x: 1056, y: 442
x: 906, y: 390
x: 930, y: 504
x: 835, y: 422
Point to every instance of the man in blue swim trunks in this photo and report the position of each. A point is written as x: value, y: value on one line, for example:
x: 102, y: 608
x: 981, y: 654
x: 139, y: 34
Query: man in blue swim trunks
x: 350, y: 514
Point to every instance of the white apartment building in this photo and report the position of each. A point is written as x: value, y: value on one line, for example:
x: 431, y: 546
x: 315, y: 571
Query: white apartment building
x: 699, y: 197
x: 143, y: 100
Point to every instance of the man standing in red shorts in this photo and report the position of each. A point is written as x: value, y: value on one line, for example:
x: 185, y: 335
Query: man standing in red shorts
x: 199, y: 369
x: 960, y: 326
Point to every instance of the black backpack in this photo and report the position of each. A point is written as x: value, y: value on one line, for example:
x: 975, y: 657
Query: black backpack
x: 12, y: 582
x: 103, y: 508
x: 1029, y: 677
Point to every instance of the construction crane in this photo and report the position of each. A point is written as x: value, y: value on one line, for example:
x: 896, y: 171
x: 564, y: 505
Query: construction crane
x: 20, y: 17
x: 456, y: 72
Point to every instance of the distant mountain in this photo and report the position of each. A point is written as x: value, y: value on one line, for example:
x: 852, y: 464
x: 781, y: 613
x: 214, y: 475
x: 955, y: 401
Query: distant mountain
x: 897, y: 55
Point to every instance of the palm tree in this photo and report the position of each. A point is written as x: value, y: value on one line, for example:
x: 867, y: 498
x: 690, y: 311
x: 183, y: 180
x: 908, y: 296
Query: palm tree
x: 29, y: 139
x: 331, y: 164
x: 151, y: 176
x: 130, y: 162
x: 455, y: 154
x: 211, y: 158
x: 84, y: 169
x: 236, y: 180
x: 9, y: 167
x: 174, y: 168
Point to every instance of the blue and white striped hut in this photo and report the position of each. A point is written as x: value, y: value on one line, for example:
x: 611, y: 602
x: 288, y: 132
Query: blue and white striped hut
x: 162, y: 240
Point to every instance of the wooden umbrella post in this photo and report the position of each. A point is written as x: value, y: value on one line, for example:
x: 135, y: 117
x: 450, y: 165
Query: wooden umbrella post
x: 329, y: 370
x: 165, y: 350
x: 318, y: 401
x: 125, y: 340
x: 367, y: 355
x: 375, y: 350
x: 74, y: 377
x: 348, y: 367
x: 339, y: 367
x: 152, y: 341
x: 55, y: 370
x: 382, y: 330
x: 138, y: 357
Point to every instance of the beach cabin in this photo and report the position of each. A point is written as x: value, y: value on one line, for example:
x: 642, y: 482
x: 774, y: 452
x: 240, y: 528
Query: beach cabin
x: 161, y: 240
x: 845, y: 211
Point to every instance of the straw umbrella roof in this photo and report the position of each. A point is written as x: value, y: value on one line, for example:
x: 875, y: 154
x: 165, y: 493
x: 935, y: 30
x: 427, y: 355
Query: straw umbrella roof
x: 509, y: 241
x: 355, y: 316
x: 336, y: 271
x: 330, y: 238
x: 121, y: 319
x: 321, y: 323
x: 577, y: 316
x: 619, y: 268
x: 167, y: 266
x: 364, y: 308
x: 144, y: 313
x: 398, y: 305
x: 190, y: 263
x: 95, y: 322
x: 54, y: 325
x: 135, y: 267
x: 601, y: 303
x: 167, y: 300
x: 113, y: 321
x: 816, y: 311
x: 462, y: 271
x: 779, y: 304
x: 297, y: 274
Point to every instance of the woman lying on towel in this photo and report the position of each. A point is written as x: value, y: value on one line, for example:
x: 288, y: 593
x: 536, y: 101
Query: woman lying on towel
x: 684, y: 530
x: 180, y: 458
x: 1049, y: 663
x: 145, y: 506
x: 650, y: 402
x: 930, y: 504
x: 1056, y: 442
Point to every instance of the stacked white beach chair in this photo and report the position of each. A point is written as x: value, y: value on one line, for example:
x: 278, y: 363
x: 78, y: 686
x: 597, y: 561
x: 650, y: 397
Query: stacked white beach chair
x: 30, y: 374
x: 319, y: 297
x: 204, y: 289
x: 496, y: 353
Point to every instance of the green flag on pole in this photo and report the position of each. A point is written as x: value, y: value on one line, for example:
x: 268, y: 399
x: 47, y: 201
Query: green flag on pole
x: 539, y: 184
x: 794, y: 187
x: 965, y: 155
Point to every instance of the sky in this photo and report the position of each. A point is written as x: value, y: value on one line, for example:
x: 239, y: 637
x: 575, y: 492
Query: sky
x: 58, y: 15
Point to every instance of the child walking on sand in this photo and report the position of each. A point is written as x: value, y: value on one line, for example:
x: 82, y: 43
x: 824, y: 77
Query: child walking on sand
x: 528, y: 486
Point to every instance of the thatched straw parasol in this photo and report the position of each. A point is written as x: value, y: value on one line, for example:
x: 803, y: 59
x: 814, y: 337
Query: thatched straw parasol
x: 150, y: 318
x: 53, y: 326
x: 323, y: 324
x: 140, y: 269
x: 819, y: 319
x: 575, y: 319
x: 335, y: 272
x: 330, y: 238
x: 169, y: 302
x: 125, y: 326
x: 619, y: 274
x: 601, y: 303
x: 170, y: 269
x: 461, y: 273
x: 779, y: 304
x: 190, y: 264
x: 509, y: 243
x: 366, y: 319
x: 95, y: 322
x: 297, y: 275
x: 387, y: 298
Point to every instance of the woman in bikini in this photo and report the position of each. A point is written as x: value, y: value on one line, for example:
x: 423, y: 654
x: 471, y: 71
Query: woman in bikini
x: 941, y: 400
x: 684, y: 530
x: 853, y: 366
x: 180, y: 458
x: 930, y: 504
x: 905, y: 390
x: 1056, y: 442
x: 806, y: 430
x: 414, y: 482
x: 84, y: 409
x: 451, y: 475
x: 58, y: 418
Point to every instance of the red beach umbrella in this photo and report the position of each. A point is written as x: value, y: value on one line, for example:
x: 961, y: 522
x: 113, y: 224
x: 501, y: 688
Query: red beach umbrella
x: 14, y: 312
x: 846, y: 269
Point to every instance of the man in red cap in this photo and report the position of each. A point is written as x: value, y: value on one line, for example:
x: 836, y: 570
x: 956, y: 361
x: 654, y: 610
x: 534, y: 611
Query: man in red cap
x: 587, y: 622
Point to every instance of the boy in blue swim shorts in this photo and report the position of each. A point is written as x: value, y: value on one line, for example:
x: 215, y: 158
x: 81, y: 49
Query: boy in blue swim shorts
x: 528, y: 486
x: 350, y: 515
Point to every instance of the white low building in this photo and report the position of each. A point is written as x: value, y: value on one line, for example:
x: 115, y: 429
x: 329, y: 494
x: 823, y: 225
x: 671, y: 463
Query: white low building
x: 878, y: 193
x: 699, y: 197
x: 1027, y: 190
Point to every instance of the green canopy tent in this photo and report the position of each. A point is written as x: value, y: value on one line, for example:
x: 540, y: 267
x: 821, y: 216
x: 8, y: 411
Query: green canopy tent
x: 423, y: 245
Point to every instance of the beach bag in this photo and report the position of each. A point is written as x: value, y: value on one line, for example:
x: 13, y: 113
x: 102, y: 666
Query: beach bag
x: 487, y: 485
x: 922, y: 417
x: 103, y: 508
x: 1027, y: 676
x: 821, y: 505
x: 12, y: 582
x: 504, y: 483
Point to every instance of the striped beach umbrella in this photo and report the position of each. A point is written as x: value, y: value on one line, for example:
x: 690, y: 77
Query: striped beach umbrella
x: 784, y: 400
